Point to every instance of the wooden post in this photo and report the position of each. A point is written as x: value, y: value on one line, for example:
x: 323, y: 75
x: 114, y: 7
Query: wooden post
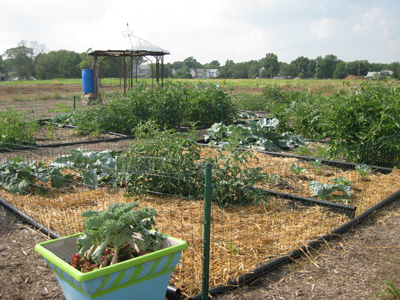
x: 94, y: 74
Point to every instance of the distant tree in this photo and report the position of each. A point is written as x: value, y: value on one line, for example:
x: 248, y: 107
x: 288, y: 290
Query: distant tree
x: 358, y: 67
x: 183, y: 68
x: 303, y: 65
x: 340, y: 70
x: 283, y: 70
x: 292, y: 69
x: 67, y: 62
x: 113, y: 67
x: 227, y: 70
x: 191, y: 63
x: 3, y: 68
x: 311, y: 68
x: 376, y: 67
x: 46, y: 66
x: 395, y: 67
x: 84, y: 64
x: 22, y: 58
x: 328, y: 65
x: 271, y: 65
x: 86, y: 60
x: 398, y: 71
x: 167, y: 70
x: 212, y: 65
x: 240, y: 70
x: 177, y: 65
x: 59, y: 64
x: 254, y: 68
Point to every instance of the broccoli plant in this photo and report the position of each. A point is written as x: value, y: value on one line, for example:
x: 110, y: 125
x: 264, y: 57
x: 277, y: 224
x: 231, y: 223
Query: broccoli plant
x: 118, y: 227
x: 323, y: 190
x: 297, y: 170
x: 363, y: 170
x: 342, y: 180
x: 19, y: 177
x: 316, y: 164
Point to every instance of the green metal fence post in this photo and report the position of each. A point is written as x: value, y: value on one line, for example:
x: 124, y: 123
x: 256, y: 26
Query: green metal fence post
x: 74, y: 104
x: 207, y: 225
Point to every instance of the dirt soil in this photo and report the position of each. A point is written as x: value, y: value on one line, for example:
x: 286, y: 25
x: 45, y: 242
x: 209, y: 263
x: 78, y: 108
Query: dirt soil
x: 35, y: 91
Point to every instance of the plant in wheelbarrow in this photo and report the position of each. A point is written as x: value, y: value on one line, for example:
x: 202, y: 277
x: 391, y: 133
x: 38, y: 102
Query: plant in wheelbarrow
x: 118, y: 256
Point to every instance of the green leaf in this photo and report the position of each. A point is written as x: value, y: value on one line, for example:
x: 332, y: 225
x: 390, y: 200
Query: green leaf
x: 98, y: 253
x: 320, y: 190
x: 90, y: 179
x: 84, y: 241
x: 297, y: 170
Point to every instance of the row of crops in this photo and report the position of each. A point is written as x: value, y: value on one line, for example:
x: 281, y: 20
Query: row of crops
x: 345, y: 119
x: 367, y: 112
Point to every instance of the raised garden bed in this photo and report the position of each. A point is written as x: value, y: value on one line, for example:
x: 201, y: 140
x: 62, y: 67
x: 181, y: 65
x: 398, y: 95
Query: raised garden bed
x: 243, y: 237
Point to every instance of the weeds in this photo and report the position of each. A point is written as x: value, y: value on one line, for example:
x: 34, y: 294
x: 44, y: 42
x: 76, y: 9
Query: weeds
x: 390, y: 290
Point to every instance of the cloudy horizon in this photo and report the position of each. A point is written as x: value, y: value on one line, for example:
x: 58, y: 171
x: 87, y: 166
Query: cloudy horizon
x: 213, y: 30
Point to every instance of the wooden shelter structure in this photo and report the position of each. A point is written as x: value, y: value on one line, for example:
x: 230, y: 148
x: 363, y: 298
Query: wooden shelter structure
x: 130, y: 49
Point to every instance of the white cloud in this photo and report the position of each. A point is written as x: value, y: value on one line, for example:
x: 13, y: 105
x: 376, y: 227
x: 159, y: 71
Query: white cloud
x: 209, y: 29
x: 372, y: 15
x: 394, y: 47
x: 376, y: 20
x: 357, y: 27
x: 321, y: 29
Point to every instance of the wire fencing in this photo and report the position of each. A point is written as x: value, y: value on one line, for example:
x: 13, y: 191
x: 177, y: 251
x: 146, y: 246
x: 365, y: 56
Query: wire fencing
x: 288, y: 202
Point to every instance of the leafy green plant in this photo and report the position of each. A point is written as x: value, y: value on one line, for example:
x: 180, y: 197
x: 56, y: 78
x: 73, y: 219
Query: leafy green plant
x: 316, y: 164
x: 297, y: 170
x: 363, y: 170
x: 117, y: 227
x: 259, y: 135
x: 50, y: 131
x: 274, y: 178
x: 247, y: 115
x: 18, y: 176
x: 341, y: 180
x: 94, y: 166
x: 171, y: 164
x: 323, y: 190
x: 232, y: 179
x: 162, y: 161
x: 302, y: 151
x: 15, y: 130
x: 170, y: 107
x: 65, y: 118
x: 233, y: 248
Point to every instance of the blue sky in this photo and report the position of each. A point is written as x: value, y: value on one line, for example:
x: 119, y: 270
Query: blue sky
x: 239, y: 30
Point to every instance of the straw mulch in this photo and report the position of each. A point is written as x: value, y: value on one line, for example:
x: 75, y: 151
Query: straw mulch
x: 242, y: 237
x: 365, y: 191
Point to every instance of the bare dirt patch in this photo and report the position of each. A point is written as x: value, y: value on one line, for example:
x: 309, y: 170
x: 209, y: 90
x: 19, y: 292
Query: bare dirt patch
x: 9, y: 93
x: 24, y: 274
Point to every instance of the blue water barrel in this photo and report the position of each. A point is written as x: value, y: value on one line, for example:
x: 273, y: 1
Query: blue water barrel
x: 88, y: 81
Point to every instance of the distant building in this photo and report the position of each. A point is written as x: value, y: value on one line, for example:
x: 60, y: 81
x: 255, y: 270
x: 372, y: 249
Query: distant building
x: 198, y: 73
x: 143, y: 71
x: 381, y: 75
x: 201, y: 73
x: 212, y: 73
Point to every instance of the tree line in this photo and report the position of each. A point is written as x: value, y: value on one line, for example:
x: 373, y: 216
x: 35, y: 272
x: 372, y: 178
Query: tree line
x: 30, y: 59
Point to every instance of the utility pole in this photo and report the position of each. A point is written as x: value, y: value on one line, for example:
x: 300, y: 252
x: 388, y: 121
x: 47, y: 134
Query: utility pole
x: 271, y: 69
